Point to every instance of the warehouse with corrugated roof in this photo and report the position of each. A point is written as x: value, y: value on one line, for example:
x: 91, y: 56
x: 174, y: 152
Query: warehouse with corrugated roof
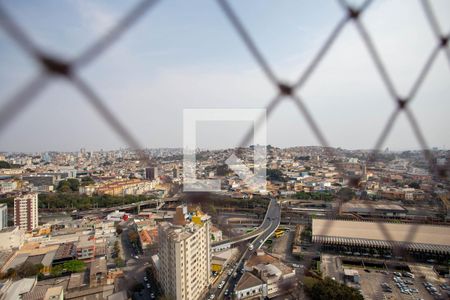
x: 382, y: 235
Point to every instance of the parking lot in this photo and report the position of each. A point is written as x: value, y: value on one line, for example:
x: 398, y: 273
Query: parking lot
x: 377, y: 284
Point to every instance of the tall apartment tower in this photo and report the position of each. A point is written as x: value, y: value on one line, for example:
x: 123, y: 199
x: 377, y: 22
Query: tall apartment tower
x: 151, y: 173
x: 185, y: 256
x: 3, y: 216
x: 26, y: 211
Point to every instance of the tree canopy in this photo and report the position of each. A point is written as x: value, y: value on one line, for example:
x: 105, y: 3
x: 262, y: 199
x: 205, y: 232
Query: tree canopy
x: 329, y: 289
x: 72, y: 200
x: 4, y: 165
x: 346, y: 194
x: 87, y: 180
x: 324, y: 195
x: 68, y: 185
x: 72, y: 266
x: 27, y: 269
x: 275, y: 175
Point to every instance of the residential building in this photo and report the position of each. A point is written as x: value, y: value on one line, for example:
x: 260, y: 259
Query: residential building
x: 26, y: 211
x: 54, y: 293
x: 185, y: 256
x: 276, y: 277
x: 151, y: 173
x: 86, y: 248
x: 3, y: 216
x: 98, y: 273
x: 250, y: 286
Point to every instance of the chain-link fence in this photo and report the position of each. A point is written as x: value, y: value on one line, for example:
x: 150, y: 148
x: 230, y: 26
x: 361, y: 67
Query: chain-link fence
x: 351, y: 16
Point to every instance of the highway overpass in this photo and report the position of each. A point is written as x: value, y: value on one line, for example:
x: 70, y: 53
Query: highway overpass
x: 104, y: 210
x: 272, y: 218
x: 267, y: 228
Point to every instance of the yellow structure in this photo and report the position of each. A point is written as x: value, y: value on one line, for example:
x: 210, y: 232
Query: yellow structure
x: 216, y: 268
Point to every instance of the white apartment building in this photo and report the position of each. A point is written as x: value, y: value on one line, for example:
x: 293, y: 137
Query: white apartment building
x: 185, y: 256
x: 3, y: 216
x: 26, y: 211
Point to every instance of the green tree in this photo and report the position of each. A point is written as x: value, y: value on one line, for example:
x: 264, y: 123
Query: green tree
x: 57, y: 270
x: 119, y: 262
x: 414, y: 184
x: 119, y: 229
x: 87, y: 180
x: 329, y: 289
x: 275, y: 175
x: 28, y: 269
x: 4, y: 165
x: 346, y: 194
x: 11, y: 273
x: 74, y: 266
x: 68, y: 185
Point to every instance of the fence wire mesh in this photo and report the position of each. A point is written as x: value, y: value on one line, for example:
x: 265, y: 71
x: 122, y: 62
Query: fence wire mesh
x: 53, y: 66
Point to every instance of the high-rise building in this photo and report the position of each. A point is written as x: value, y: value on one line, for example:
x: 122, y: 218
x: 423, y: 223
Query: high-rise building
x: 26, y: 211
x: 175, y: 173
x: 185, y: 256
x: 3, y: 216
x: 151, y: 173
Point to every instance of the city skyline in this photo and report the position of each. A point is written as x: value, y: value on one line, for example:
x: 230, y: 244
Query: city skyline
x: 191, y: 51
x: 386, y: 149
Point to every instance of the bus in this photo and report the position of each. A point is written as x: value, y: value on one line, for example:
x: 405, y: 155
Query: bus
x: 278, y: 233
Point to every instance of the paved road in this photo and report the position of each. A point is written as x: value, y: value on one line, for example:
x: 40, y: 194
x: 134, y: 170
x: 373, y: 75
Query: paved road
x: 269, y: 225
x: 273, y: 211
x: 135, y: 268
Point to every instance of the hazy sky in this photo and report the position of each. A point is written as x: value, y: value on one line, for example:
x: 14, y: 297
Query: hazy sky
x: 184, y: 54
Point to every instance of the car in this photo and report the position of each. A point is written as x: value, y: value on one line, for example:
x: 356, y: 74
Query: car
x: 152, y: 296
x: 397, y: 274
x: 230, y: 272
x: 226, y: 292
x: 367, y: 270
x: 295, y: 266
x: 220, y: 286
x: 136, y: 257
x: 148, y: 285
x: 145, y: 278
x: 212, y: 296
